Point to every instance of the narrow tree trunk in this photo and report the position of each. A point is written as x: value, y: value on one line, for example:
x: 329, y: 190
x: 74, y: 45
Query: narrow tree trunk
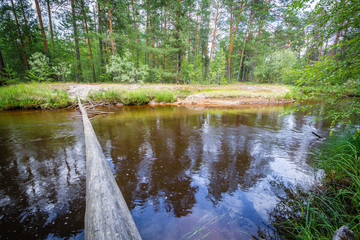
x: 165, y: 31
x: 178, y: 29
x: 2, y: 66
x: 262, y: 21
x: 232, y: 35
x: 243, y: 73
x: 111, y: 31
x: 50, y: 23
x: 76, y: 39
x: 214, y: 33
x: 42, y: 28
x: 196, y: 33
x: 146, y: 33
x: 152, y: 44
x: 247, y: 72
x: 136, y: 42
x: 189, y: 27
x: 27, y: 26
x: 88, y: 41
x: 100, y: 38
x: 243, y: 48
x: 258, y: 39
x: 20, y: 36
x: 206, y: 51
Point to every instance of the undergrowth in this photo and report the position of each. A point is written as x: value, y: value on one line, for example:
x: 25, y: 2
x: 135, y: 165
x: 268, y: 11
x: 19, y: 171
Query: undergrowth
x: 134, y: 97
x: 318, y: 214
x: 32, y: 96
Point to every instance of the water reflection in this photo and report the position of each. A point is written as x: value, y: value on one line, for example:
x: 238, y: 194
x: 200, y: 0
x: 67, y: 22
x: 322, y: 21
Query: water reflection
x: 42, y: 175
x: 190, y: 173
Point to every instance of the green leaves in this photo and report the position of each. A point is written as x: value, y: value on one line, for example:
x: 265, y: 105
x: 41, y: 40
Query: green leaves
x: 40, y: 71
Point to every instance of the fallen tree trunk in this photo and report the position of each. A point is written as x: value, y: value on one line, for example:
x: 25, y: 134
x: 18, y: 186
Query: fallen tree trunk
x: 107, y: 215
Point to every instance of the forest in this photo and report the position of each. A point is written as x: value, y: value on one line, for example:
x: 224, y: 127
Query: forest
x: 207, y: 42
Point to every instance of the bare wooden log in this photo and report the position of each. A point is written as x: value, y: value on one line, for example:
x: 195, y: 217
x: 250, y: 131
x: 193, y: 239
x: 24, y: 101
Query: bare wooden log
x: 107, y: 215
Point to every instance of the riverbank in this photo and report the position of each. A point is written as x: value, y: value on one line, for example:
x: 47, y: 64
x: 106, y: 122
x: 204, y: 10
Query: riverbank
x: 60, y: 95
x: 335, y: 201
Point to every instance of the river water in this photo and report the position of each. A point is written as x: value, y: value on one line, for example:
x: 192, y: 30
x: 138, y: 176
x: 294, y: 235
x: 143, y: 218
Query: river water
x: 185, y: 173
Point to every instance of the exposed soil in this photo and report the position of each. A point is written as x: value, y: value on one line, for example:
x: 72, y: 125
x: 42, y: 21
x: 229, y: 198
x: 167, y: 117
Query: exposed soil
x: 230, y: 95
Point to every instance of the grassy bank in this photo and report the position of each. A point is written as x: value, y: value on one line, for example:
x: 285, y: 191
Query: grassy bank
x: 32, y: 96
x: 133, y: 97
x: 58, y: 95
x: 317, y: 215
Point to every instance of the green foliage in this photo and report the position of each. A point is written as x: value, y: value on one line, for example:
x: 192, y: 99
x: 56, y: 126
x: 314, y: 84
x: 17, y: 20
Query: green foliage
x: 318, y: 214
x: 134, y: 97
x: 217, y: 69
x: 40, y: 71
x: 276, y: 67
x: 32, y: 96
x: 62, y: 71
x: 193, y: 73
x: 124, y: 70
x: 10, y: 76
x: 164, y: 96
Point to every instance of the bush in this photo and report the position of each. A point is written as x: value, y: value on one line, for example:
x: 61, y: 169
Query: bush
x: 124, y: 70
x: 40, y: 71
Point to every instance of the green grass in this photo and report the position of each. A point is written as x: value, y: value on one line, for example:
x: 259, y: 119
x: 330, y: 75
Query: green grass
x: 134, y: 97
x: 32, y: 96
x: 318, y: 214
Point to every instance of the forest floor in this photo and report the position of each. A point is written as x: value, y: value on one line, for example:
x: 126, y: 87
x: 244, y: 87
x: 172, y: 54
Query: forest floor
x: 224, y: 95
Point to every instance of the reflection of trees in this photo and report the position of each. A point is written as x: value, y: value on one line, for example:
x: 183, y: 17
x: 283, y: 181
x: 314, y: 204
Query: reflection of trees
x: 160, y: 167
x: 42, y: 176
x: 155, y: 156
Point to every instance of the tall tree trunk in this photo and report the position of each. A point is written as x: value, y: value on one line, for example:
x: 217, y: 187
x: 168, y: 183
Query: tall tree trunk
x: 27, y: 26
x: 152, y: 45
x: 232, y: 36
x: 214, y: 33
x: 20, y: 36
x: 206, y: 51
x: 258, y: 40
x: 100, y: 38
x: 196, y: 33
x: 243, y: 73
x: 111, y: 31
x: 146, y: 33
x: 189, y: 27
x: 76, y: 39
x: 136, y: 42
x: 50, y: 23
x: 42, y: 28
x: 178, y: 30
x: 243, y: 48
x: 262, y: 22
x: 88, y: 40
x: 247, y: 72
x: 165, y: 31
x: 2, y: 66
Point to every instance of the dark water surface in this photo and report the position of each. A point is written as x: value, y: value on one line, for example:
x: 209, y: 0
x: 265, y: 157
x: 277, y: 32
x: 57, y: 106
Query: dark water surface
x: 185, y: 173
x: 205, y: 173
x: 42, y: 175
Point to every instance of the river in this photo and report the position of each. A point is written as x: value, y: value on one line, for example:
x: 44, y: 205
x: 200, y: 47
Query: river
x: 186, y: 173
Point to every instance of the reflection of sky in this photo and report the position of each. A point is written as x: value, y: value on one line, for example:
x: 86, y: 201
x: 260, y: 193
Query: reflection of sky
x: 42, y: 175
x: 198, y: 174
